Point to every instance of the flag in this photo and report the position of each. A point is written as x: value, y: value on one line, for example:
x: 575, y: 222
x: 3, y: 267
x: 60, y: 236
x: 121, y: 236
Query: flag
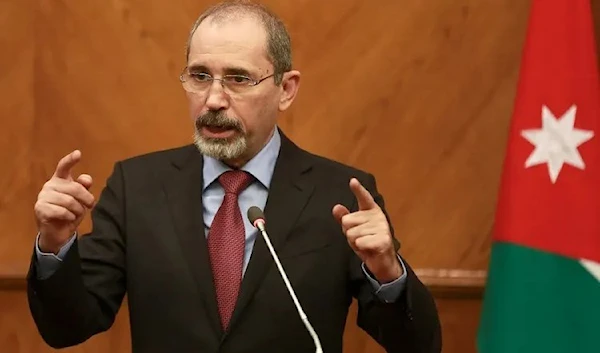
x: 543, y: 287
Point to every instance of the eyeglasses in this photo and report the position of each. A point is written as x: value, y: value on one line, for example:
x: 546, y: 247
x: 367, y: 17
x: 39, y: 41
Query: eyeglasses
x: 232, y: 84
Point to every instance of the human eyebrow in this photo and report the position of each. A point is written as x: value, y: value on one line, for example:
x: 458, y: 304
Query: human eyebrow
x: 198, y: 69
x: 237, y: 71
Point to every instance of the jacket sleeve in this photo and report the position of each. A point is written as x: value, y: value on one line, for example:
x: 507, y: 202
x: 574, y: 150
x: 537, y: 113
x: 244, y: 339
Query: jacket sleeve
x: 83, y: 295
x: 409, y: 324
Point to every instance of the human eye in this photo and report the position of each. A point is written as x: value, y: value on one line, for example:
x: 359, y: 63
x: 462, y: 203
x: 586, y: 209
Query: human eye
x: 200, y: 76
x: 238, y: 80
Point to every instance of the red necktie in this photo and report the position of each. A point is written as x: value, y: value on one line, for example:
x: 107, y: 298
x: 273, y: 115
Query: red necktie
x: 226, y: 243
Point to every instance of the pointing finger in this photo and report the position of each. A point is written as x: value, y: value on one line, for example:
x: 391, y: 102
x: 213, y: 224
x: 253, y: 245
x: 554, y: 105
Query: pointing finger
x: 364, y: 198
x: 63, y: 169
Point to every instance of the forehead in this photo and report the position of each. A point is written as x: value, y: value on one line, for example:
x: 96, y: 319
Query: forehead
x: 237, y: 42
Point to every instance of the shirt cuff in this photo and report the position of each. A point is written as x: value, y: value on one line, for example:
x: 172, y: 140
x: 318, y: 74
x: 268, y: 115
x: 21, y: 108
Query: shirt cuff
x: 391, y: 291
x: 48, y: 263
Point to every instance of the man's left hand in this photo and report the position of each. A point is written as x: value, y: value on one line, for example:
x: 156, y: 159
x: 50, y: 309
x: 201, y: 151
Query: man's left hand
x: 368, y: 233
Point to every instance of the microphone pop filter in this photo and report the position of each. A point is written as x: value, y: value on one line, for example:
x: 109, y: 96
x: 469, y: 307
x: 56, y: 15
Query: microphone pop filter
x: 254, y: 214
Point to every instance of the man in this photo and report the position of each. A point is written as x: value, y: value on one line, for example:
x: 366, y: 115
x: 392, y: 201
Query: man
x: 170, y: 228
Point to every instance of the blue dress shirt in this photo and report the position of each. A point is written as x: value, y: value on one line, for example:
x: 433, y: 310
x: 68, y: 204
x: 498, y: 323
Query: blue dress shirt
x: 261, y: 167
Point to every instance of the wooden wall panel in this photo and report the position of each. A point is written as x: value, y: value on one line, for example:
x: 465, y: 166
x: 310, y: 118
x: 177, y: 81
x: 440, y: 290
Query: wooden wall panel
x: 17, y: 120
x: 459, y: 318
x: 418, y: 93
x: 18, y: 333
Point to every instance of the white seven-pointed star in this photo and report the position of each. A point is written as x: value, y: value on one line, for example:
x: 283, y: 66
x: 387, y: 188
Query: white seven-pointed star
x: 556, y: 142
x: 592, y: 267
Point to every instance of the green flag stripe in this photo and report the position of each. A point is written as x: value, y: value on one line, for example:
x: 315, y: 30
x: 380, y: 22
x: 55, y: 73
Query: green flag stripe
x: 538, y: 302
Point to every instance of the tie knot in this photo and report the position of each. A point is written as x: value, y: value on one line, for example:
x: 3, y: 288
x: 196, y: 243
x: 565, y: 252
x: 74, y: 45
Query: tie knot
x: 234, y: 181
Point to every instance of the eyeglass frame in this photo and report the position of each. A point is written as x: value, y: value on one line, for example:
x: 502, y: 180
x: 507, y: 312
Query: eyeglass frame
x: 252, y: 82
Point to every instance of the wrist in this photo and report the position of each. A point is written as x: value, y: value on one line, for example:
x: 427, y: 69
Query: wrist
x: 388, y: 270
x: 48, y: 245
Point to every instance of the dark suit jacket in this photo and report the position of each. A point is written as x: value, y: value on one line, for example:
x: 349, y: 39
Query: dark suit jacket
x: 148, y: 241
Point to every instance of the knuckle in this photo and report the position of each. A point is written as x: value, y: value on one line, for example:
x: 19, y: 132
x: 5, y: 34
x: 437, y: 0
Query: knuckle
x: 65, y: 213
x: 39, y: 203
x: 44, y: 190
x: 50, y: 184
x: 41, y: 207
x: 38, y: 208
x: 350, y: 233
x: 384, y: 240
x: 359, y: 243
x: 63, y: 199
x: 73, y: 200
x: 82, y: 192
x: 91, y: 198
x: 72, y: 203
x: 345, y: 221
x: 73, y: 188
x: 79, y: 187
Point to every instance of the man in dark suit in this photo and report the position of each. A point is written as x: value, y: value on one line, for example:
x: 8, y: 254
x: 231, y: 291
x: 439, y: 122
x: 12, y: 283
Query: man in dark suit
x: 170, y: 228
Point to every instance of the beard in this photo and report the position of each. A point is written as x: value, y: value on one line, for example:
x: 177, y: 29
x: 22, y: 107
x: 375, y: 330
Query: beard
x: 228, y: 148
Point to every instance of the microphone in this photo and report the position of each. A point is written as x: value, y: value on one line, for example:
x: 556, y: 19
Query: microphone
x: 257, y: 218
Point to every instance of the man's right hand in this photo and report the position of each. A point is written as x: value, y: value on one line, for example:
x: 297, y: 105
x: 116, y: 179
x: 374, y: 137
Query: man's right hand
x: 62, y: 204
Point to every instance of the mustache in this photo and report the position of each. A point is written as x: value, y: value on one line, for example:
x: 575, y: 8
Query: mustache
x: 218, y: 119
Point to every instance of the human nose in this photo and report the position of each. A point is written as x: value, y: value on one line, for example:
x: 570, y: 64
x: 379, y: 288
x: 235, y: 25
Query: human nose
x: 217, y: 98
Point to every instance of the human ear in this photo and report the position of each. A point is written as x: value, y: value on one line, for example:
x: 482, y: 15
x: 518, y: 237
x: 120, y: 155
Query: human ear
x: 289, y: 88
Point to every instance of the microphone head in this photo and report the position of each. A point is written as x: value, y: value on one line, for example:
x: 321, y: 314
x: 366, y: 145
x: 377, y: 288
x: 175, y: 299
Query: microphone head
x: 255, y: 214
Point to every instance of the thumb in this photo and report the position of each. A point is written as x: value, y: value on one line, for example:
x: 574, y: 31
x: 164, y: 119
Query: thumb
x: 339, y: 211
x: 85, y: 180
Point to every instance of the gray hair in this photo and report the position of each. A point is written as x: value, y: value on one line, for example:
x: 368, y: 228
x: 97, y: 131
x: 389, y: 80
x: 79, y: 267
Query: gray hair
x: 279, y: 48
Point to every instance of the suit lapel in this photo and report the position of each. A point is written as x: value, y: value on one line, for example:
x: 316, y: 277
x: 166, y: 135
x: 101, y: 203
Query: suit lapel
x: 289, y: 193
x: 184, y: 197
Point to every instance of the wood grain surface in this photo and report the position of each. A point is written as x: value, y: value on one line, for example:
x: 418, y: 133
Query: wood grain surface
x: 419, y: 93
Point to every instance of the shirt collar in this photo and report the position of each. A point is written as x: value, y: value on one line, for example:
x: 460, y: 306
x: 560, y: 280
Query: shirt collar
x: 261, y: 166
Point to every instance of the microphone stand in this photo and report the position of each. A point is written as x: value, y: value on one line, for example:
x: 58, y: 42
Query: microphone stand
x: 260, y: 225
